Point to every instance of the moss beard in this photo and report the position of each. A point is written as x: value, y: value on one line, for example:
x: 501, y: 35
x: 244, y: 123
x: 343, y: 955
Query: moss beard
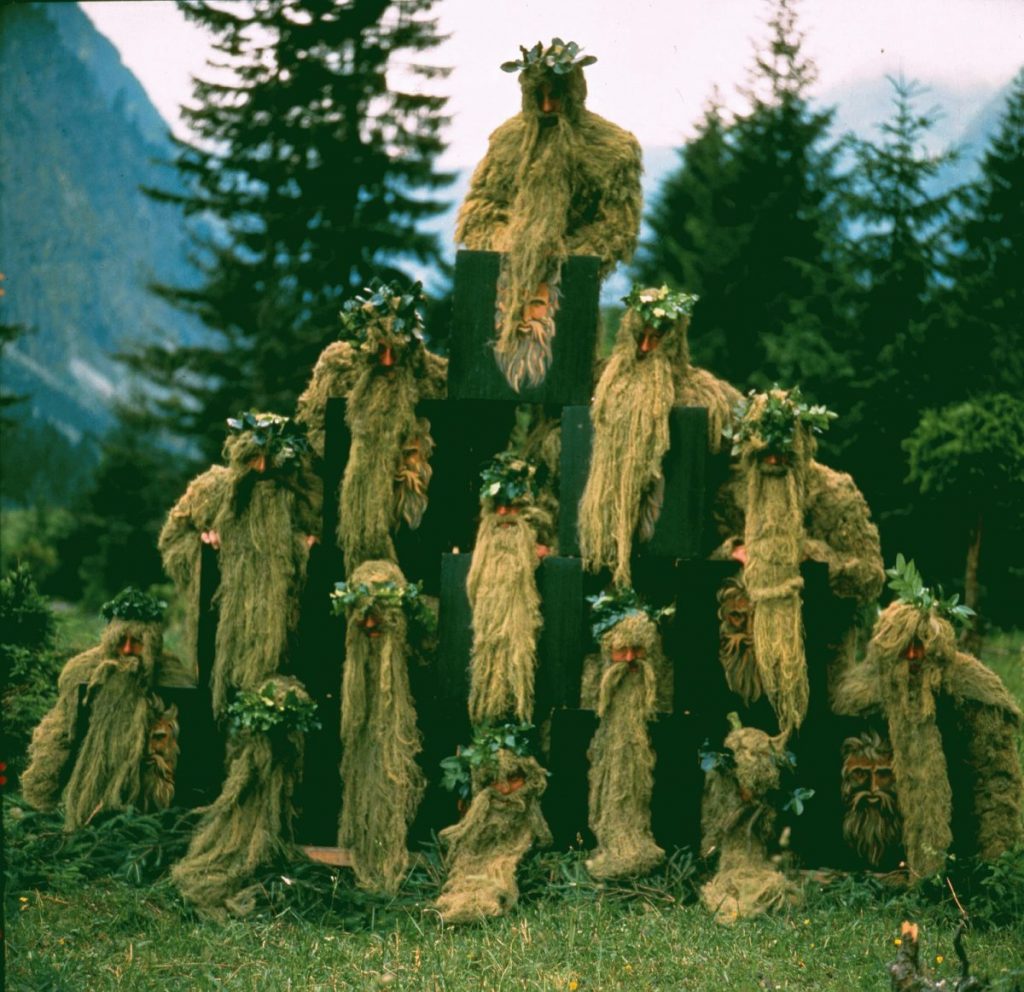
x: 381, y: 414
x: 773, y: 536
x: 502, y: 588
x: 630, y: 417
x: 872, y: 829
x: 524, y: 355
x: 381, y: 780
x: 535, y: 241
x: 262, y: 568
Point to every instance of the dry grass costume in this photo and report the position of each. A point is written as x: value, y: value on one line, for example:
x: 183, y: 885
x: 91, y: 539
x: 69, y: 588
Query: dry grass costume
x: 634, y: 681
x: 557, y: 180
x: 128, y: 754
x: 738, y: 822
x: 249, y: 825
x: 261, y: 513
x: 383, y: 367
x: 871, y: 819
x: 648, y: 373
x: 381, y: 781
x: 911, y: 661
x: 780, y: 508
x: 485, y: 847
x: 503, y: 596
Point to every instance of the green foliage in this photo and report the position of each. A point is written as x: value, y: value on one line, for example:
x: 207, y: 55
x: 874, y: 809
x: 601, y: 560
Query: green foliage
x: 281, y: 437
x: 798, y: 800
x: 560, y: 57
x: 380, y: 300
x: 262, y: 712
x: 777, y: 422
x: 28, y: 665
x: 612, y: 606
x: 712, y: 760
x: 359, y: 600
x: 907, y: 583
x: 481, y: 756
x: 508, y: 479
x: 133, y: 604
x: 660, y: 308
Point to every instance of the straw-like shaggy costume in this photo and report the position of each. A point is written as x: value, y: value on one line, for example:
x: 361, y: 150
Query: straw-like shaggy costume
x: 382, y: 782
x: 788, y: 513
x: 630, y: 412
x: 263, y: 522
x: 250, y: 822
x: 112, y: 769
x: 904, y: 692
x: 549, y: 186
x: 621, y: 756
x: 502, y: 589
x: 871, y: 821
x: 388, y: 469
x: 738, y: 822
x: 485, y: 847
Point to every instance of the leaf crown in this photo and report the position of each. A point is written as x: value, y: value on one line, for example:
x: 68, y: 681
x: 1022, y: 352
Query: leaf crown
x: 508, y: 478
x: 906, y: 581
x: 266, y: 710
x: 775, y: 421
x: 561, y: 57
x: 611, y: 607
x: 660, y: 308
x: 482, y: 754
x: 278, y: 435
x: 133, y: 604
x: 358, y: 600
x: 380, y: 300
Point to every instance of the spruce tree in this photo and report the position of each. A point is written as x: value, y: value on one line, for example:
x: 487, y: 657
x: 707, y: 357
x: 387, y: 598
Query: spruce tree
x: 309, y: 174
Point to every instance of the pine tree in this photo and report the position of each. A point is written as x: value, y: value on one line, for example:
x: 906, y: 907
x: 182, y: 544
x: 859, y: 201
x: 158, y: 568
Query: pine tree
x: 309, y: 174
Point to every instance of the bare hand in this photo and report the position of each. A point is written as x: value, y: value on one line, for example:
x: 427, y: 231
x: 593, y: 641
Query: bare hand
x: 212, y: 538
x: 311, y: 539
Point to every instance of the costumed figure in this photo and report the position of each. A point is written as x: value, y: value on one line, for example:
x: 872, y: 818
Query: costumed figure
x: 512, y: 537
x: 912, y: 662
x: 383, y: 367
x: 738, y: 822
x: 780, y: 508
x: 557, y: 180
x: 503, y: 821
x: 633, y: 682
x: 249, y: 825
x: 872, y: 826
x: 261, y: 513
x: 648, y: 373
x: 381, y: 781
x: 128, y: 753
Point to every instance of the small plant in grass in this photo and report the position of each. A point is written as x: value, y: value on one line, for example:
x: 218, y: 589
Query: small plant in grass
x: 481, y: 756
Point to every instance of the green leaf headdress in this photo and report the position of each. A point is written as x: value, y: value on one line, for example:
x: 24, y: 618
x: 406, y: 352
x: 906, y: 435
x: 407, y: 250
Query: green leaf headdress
x: 561, y: 57
x: 609, y: 608
x: 378, y: 301
x: 907, y: 583
x: 508, y: 478
x: 274, y: 434
x: 482, y: 755
x: 269, y: 709
x: 660, y: 308
x: 133, y: 604
x: 358, y: 600
x: 776, y: 420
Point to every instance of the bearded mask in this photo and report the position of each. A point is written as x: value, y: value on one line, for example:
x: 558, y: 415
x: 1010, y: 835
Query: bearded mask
x: 127, y: 639
x: 162, y: 752
x: 736, y: 640
x: 871, y: 821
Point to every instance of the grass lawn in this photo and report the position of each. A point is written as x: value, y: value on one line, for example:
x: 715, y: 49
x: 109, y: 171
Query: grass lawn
x: 93, y: 914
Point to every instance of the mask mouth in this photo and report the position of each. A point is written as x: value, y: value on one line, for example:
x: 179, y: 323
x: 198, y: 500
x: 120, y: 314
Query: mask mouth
x: 775, y: 462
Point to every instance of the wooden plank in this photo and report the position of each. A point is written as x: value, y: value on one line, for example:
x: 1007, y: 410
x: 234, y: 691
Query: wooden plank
x: 339, y: 857
x: 473, y: 372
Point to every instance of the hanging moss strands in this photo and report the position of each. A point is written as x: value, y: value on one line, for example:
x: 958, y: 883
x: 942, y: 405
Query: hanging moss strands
x: 621, y: 756
x: 911, y: 661
x: 249, y: 825
x: 484, y: 848
x: 738, y: 823
x: 557, y: 180
x: 381, y: 781
x: 503, y: 596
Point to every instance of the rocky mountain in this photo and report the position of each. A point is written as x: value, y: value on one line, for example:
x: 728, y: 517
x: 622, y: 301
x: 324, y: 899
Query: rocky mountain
x: 80, y: 241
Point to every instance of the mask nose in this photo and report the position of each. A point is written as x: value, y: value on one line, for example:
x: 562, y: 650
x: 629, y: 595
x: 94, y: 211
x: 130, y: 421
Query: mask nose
x: 126, y: 646
x: 387, y: 356
x: 648, y: 343
x: 502, y: 510
x: 259, y: 463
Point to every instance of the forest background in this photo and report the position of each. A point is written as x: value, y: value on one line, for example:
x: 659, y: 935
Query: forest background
x: 876, y: 271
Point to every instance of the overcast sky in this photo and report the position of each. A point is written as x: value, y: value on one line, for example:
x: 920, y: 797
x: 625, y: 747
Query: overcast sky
x: 658, y: 60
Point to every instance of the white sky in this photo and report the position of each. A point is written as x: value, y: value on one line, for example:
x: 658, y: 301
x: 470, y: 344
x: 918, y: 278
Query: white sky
x: 658, y: 60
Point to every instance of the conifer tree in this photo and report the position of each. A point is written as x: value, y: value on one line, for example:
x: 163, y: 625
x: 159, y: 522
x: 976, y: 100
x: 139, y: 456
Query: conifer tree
x: 309, y: 173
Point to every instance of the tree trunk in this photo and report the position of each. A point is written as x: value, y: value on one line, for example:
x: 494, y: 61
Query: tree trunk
x: 972, y: 635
